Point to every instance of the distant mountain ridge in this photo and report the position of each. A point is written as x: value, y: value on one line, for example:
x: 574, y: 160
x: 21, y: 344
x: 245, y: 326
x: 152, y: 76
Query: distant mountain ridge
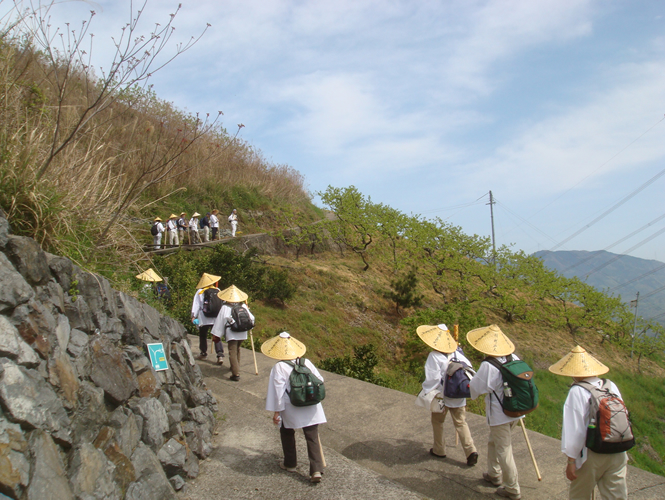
x: 618, y: 275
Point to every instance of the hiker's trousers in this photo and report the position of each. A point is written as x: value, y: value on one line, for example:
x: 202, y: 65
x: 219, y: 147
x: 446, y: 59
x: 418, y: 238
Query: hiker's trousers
x: 313, y: 447
x: 459, y: 421
x: 500, y: 460
x: 173, y: 238
x: 608, y: 471
x: 203, y: 341
x: 234, y: 356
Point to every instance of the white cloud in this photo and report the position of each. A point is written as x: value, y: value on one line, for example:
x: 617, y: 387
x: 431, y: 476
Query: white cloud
x: 578, y: 146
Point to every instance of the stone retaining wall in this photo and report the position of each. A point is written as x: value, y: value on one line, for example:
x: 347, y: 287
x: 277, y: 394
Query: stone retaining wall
x: 82, y: 412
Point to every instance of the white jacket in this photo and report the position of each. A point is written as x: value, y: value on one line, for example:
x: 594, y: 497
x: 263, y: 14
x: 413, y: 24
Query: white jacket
x: 293, y: 417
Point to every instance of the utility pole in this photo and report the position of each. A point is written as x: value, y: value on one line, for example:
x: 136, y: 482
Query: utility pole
x: 491, y: 204
x: 632, y: 344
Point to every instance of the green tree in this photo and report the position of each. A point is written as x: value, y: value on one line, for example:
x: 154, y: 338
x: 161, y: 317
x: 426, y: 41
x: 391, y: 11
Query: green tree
x: 298, y: 232
x: 356, y: 224
x: 404, y: 291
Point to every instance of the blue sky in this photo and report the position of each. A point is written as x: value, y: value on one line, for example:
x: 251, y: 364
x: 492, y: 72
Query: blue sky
x: 556, y: 106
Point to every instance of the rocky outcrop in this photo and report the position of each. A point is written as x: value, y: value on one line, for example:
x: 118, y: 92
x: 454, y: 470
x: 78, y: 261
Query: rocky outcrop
x: 83, y: 415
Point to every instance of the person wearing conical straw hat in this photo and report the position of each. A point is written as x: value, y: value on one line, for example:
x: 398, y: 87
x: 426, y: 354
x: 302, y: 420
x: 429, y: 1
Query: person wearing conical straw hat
x: 157, y: 230
x: 172, y: 226
x: 232, y: 297
x: 445, y: 349
x: 194, y: 228
x: 501, y: 468
x: 283, y: 347
x: 205, y: 308
x: 586, y: 469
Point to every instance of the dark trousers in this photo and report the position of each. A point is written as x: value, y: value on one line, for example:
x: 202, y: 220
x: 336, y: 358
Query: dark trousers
x: 203, y: 341
x: 214, y: 232
x: 313, y: 447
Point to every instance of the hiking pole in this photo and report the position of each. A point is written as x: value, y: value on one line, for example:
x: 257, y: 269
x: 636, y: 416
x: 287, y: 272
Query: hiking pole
x: 251, y: 337
x: 528, y: 444
x: 323, y: 458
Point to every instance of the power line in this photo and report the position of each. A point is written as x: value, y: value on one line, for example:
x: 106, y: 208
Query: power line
x: 522, y: 219
x: 655, y: 270
x: 612, y: 208
x: 455, y: 207
x: 653, y: 292
x: 601, y: 166
x: 634, y: 247
x: 572, y: 266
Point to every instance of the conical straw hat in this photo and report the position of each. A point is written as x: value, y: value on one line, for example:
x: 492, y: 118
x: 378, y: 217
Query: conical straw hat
x: 207, y: 280
x: 232, y: 294
x: 149, y: 275
x: 283, y: 347
x: 437, y: 337
x: 158, y: 219
x: 578, y: 363
x: 173, y: 216
x: 490, y: 340
x: 196, y: 214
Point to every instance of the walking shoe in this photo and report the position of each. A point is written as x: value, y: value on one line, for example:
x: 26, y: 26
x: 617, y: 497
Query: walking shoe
x: 288, y: 469
x: 316, y: 477
x: 203, y: 355
x: 503, y: 492
x: 220, y: 360
x: 472, y: 459
x: 491, y: 480
x: 431, y: 452
x: 235, y: 378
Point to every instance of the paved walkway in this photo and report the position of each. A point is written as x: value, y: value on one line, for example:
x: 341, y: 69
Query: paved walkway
x: 376, y: 445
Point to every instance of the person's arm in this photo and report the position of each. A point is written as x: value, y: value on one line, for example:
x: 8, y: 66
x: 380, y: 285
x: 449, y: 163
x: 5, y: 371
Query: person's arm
x: 276, y: 392
x: 480, y: 384
x: 574, y: 428
x: 432, y: 373
x: 195, y: 306
x: 218, y: 327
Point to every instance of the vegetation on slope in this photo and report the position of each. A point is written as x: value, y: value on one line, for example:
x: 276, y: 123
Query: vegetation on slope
x: 83, y: 157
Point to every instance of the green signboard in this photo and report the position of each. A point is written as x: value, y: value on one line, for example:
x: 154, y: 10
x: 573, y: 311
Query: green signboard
x: 157, y: 357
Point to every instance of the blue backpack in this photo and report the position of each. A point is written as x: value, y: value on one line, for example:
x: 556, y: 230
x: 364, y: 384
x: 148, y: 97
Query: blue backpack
x: 456, y: 381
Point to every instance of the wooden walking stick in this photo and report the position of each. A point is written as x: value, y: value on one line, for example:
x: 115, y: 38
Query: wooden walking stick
x: 528, y: 444
x: 251, y: 337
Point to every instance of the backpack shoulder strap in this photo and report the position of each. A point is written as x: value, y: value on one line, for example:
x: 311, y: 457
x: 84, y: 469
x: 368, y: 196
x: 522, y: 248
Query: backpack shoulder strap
x: 494, y: 362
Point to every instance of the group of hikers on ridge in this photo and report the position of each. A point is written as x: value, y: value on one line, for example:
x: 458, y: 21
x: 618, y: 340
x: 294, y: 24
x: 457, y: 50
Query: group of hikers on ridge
x: 197, y: 229
x: 596, y: 430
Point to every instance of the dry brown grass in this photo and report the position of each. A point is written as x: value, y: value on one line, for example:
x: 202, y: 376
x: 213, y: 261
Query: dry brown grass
x: 70, y: 177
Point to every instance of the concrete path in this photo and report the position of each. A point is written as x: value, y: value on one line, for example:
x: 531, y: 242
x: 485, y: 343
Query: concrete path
x: 376, y: 445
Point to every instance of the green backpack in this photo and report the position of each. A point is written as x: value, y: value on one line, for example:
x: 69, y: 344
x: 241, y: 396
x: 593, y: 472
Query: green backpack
x: 306, y: 388
x: 520, y: 394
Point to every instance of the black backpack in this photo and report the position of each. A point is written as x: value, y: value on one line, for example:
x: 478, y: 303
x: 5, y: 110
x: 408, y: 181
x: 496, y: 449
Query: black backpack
x: 306, y: 388
x: 153, y: 230
x: 241, y: 319
x: 211, y: 302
